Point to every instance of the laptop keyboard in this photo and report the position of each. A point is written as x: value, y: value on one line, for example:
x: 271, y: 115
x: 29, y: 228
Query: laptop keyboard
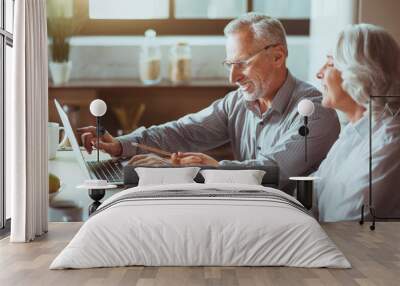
x: 109, y: 170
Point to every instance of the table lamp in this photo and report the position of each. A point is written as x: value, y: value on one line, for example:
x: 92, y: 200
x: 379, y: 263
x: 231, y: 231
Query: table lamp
x: 98, y: 108
x: 305, y: 108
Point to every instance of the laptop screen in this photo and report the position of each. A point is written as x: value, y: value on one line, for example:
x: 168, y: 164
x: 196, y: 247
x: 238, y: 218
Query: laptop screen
x: 71, y: 136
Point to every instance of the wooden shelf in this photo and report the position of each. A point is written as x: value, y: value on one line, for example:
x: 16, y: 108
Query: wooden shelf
x: 136, y: 83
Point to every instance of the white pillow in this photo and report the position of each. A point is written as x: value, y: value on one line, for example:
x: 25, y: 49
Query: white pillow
x: 248, y: 177
x: 163, y: 176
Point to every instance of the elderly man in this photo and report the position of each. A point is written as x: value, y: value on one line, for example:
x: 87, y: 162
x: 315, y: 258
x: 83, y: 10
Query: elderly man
x: 259, y: 119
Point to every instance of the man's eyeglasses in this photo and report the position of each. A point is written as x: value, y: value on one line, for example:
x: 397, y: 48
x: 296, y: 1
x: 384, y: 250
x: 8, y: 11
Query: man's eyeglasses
x: 245, y: 63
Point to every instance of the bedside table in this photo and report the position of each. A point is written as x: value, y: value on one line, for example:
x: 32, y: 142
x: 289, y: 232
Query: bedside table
x: 304, y: 190
x: 96, y: 193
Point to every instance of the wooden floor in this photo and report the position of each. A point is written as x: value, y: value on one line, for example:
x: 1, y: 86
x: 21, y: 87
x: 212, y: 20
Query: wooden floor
x: 375, y: 257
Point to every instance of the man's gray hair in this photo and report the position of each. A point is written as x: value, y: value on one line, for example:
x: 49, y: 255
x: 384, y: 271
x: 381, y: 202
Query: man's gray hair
x: 265, y: 29
x: 369, y: 60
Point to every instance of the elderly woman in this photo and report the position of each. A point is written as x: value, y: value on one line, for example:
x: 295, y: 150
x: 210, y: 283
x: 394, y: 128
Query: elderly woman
x: 365, y: 66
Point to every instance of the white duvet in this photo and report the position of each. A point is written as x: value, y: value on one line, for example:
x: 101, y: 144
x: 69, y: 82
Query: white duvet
x: 200, y: 231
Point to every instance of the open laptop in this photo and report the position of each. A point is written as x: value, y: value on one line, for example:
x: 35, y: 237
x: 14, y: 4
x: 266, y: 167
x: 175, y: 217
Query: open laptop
x: 110, y: 170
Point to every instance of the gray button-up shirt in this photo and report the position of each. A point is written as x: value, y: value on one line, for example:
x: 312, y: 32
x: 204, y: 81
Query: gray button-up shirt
x: 256, y: 138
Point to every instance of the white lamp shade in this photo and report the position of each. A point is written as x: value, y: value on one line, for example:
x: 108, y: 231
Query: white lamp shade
x: 98, y: 107
x: 305, y: 107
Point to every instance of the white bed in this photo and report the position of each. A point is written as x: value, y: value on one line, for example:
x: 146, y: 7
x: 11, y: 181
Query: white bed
x: 264, y: 229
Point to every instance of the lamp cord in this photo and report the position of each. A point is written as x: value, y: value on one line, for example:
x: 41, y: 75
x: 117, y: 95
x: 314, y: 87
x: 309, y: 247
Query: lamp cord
x: 305, y: 137
x: 98, y: 135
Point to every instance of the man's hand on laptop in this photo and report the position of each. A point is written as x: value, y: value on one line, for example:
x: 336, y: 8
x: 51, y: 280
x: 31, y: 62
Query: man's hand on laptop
x: 107, y: 142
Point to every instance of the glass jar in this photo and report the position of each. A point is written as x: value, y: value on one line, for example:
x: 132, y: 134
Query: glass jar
x: 150, y: 59
x: 180, y: 67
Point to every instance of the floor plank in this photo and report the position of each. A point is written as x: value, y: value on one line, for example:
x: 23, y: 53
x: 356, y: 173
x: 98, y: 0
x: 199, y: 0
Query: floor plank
x: 374, y: 255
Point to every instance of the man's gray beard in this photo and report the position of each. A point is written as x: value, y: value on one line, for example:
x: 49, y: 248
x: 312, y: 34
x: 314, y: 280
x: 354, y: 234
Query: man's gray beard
x: 251, y: 97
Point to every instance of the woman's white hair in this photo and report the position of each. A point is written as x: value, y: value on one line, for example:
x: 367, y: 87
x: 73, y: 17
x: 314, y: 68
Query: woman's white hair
x: 264, y: 28
x: 369, y: 60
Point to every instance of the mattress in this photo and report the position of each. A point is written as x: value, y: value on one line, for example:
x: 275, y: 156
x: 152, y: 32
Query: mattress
x: 201, y: 225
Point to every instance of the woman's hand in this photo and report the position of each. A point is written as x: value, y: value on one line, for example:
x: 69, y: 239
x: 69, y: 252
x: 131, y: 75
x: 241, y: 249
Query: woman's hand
x: 192, y: 158
x: 149, y: 160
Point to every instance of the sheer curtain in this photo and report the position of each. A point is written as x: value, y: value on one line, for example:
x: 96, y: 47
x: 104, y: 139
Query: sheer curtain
x: 26, y: 118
